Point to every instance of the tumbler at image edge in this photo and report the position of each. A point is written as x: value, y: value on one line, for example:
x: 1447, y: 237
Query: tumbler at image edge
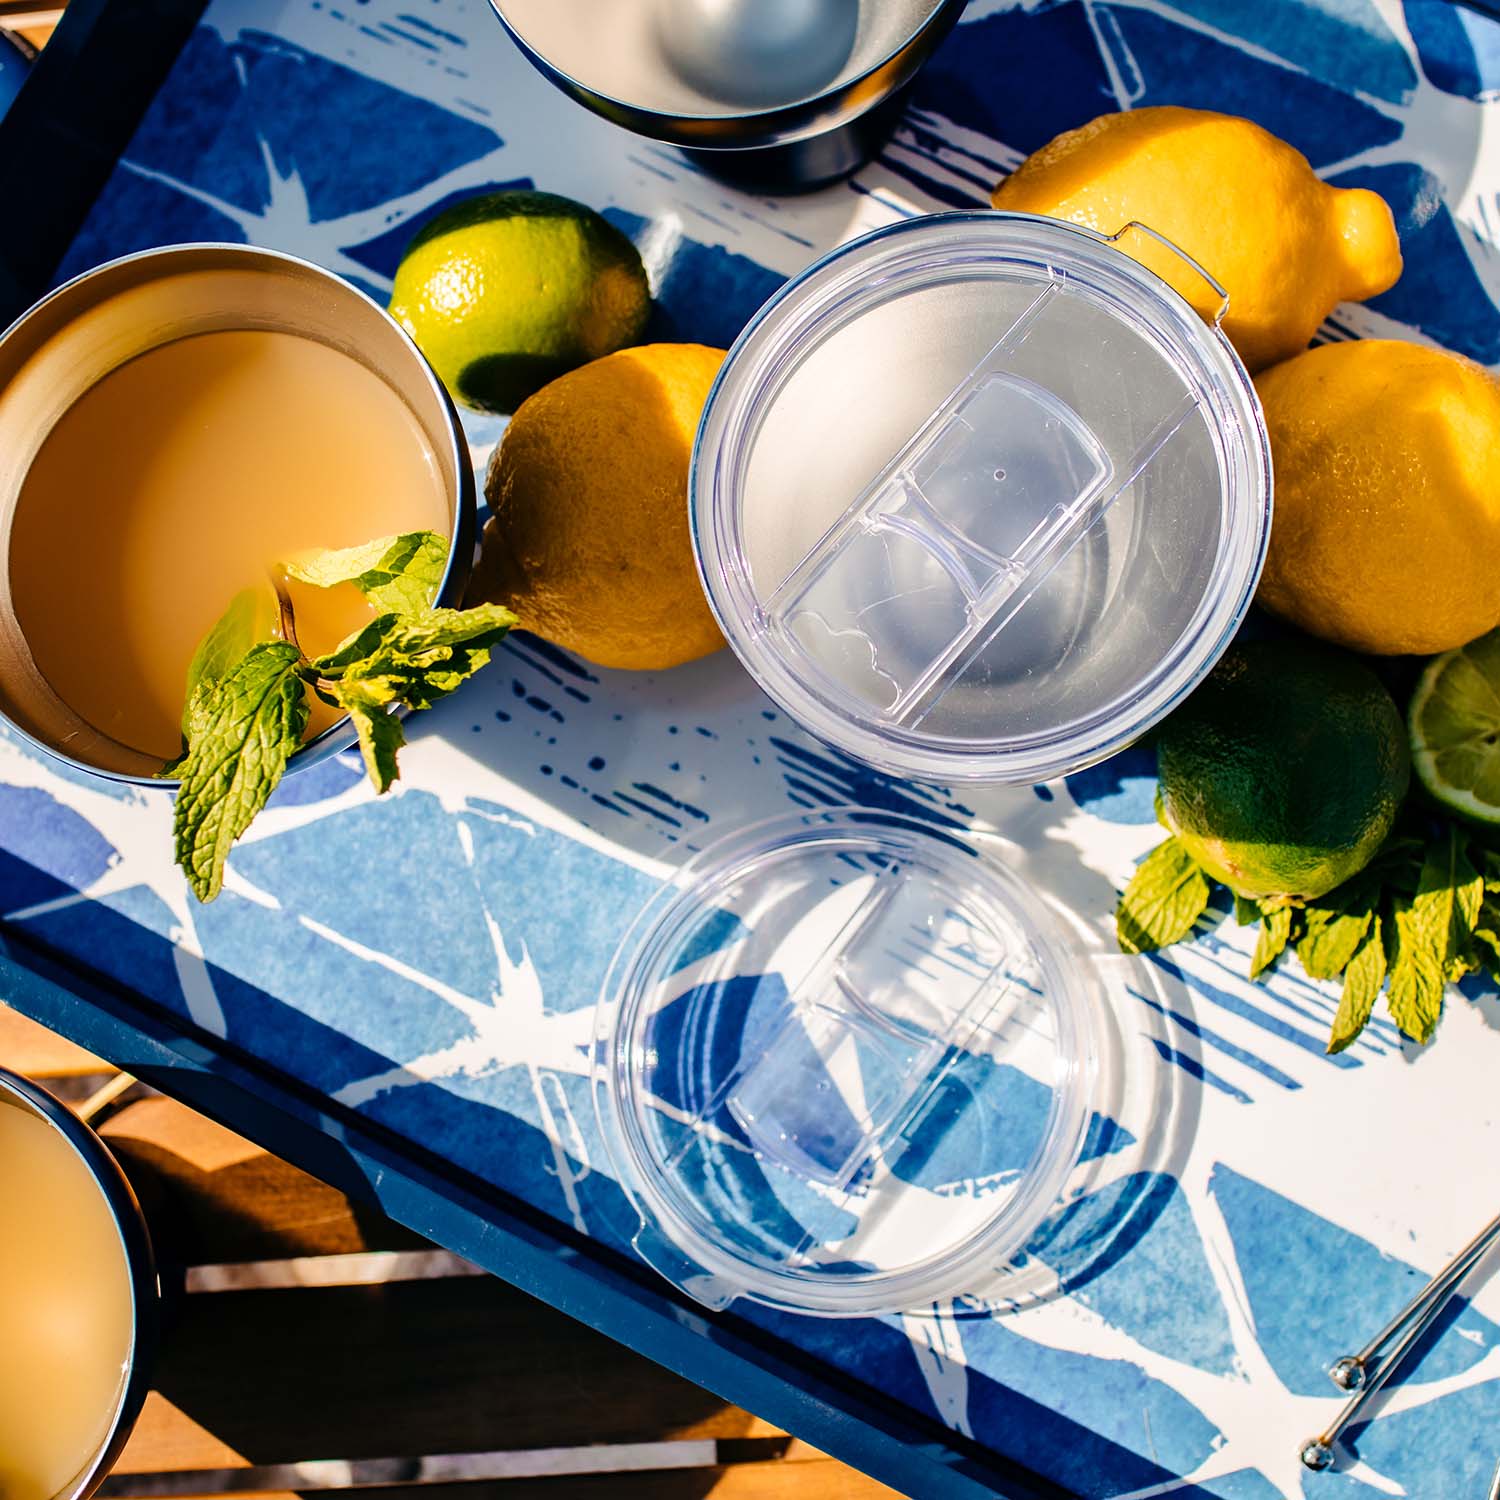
x: 978, y: 498
x: 79, y: 333
x: 627, y: 63
x: 135, y: 1245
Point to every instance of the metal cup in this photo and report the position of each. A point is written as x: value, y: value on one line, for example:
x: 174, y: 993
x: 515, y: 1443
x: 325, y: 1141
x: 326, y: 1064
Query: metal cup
x: 73, y: 338
x: 791, y: 146
x: 145, y: 1291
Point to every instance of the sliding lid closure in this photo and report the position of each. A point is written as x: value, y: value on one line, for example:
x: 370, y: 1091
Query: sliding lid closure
x: 843, y: 1067
x: 912, y: 592
x: 994, y: 492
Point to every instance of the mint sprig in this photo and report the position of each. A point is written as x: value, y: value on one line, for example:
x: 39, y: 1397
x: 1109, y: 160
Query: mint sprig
x: 251, y: 617
x: 1275, y: 934
x: 1423, y: 913
x: 245, y: 728
x: 247, y: 704
x: 1364, y: 975
x: 407, y: 661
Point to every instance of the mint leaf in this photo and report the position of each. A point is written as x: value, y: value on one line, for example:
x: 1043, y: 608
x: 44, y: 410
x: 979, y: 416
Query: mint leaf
x: 433, y: 651
x: 1363, y: 976
x: 1166, y: 895
x: 379, y: 730
x: 1449, y: 895
x: 1434, y: 934
x: 1398, y: 864
x: 1335, y: 925
x: 248, y: 725
x: 1418, y: 973
x: 251, y: 617
x: 397, y: 574
x: 1487, y: 936
x: 1275, y: 932
x: 405, y: 660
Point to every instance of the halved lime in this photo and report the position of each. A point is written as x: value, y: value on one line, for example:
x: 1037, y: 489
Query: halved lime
x: 1454, y: 721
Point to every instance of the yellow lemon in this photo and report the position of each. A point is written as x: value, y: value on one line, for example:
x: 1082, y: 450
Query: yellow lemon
x: 1244, y: 204
x: 1386, y: 536
x: 589, y: 539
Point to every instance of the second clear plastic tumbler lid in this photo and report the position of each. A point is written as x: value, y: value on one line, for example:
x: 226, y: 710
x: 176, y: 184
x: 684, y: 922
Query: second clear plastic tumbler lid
x: 844, y: 1066
x: 980, y: 498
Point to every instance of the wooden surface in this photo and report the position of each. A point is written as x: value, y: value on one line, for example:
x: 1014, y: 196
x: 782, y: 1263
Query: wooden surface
x: 31, y: 20
x: 449, y: 1363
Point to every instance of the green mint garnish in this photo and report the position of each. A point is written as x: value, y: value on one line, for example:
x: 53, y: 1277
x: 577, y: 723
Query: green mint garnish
x: 380, y: 732
x: 1434, y: 932
x: 251, y: 617
x: 1423, y: 913
x: 397, y: 574
x: 407, y: 661
x: 245, y: 728
x: 1275, y: 934
x: 247, y: 687
x: 1165, y: 897
x: 1364, y: 974
x: 1336, y: 925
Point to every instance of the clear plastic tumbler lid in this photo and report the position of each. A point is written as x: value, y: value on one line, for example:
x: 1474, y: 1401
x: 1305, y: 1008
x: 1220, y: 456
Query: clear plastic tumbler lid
x: 844, y: 1066
x: 979, y: 497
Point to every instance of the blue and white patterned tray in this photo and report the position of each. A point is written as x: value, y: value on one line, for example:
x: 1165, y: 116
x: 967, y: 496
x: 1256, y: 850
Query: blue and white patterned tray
x: 1250, y: 1207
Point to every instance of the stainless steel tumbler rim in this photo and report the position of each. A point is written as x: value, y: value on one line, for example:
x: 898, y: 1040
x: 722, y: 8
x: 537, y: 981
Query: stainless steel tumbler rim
x: 209, y: 255
x: 752, y: 129
x: 135, y: 1243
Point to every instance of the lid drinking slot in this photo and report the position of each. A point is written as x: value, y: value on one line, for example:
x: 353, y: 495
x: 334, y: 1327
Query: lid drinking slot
x: 942, y: 549
x: 875, y: 1024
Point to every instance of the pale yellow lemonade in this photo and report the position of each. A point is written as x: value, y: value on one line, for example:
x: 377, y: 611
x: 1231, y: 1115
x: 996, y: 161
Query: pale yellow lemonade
x: 65, y: 1310
x: 180, y: 479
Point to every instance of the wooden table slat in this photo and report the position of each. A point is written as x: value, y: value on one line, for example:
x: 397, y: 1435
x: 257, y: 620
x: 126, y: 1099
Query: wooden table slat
x: 28, y: 1048
x: 456, y: 1365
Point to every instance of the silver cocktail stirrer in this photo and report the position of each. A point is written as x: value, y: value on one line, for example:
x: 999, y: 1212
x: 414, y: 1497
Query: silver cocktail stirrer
x: 1366, y: 1372
x: 1350, y: 1371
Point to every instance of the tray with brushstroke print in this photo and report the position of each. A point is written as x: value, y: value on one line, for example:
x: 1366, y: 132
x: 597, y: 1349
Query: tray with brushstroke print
x: 1248, y: 1206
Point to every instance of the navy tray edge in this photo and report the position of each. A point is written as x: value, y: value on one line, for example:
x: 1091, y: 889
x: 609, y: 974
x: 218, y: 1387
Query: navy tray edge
x: 521, y: 1246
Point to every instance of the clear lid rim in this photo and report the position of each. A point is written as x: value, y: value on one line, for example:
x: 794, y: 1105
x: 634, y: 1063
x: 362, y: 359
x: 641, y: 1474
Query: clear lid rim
x: 773, y: 340
x: 954, y: 1270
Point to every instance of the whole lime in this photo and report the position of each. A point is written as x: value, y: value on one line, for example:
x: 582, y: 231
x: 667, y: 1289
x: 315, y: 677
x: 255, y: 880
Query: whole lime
x: 1283, y: 773
x: 506, y: 291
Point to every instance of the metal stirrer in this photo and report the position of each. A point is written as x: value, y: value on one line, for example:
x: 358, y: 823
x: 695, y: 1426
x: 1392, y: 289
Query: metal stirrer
x: 1350, y: 1371
x: 1366, y: 1372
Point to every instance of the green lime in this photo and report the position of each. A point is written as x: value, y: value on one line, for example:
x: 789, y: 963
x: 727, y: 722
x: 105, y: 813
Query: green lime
x: 506, y: 291
x: 1283, y: 773
x: 1454, y: 721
